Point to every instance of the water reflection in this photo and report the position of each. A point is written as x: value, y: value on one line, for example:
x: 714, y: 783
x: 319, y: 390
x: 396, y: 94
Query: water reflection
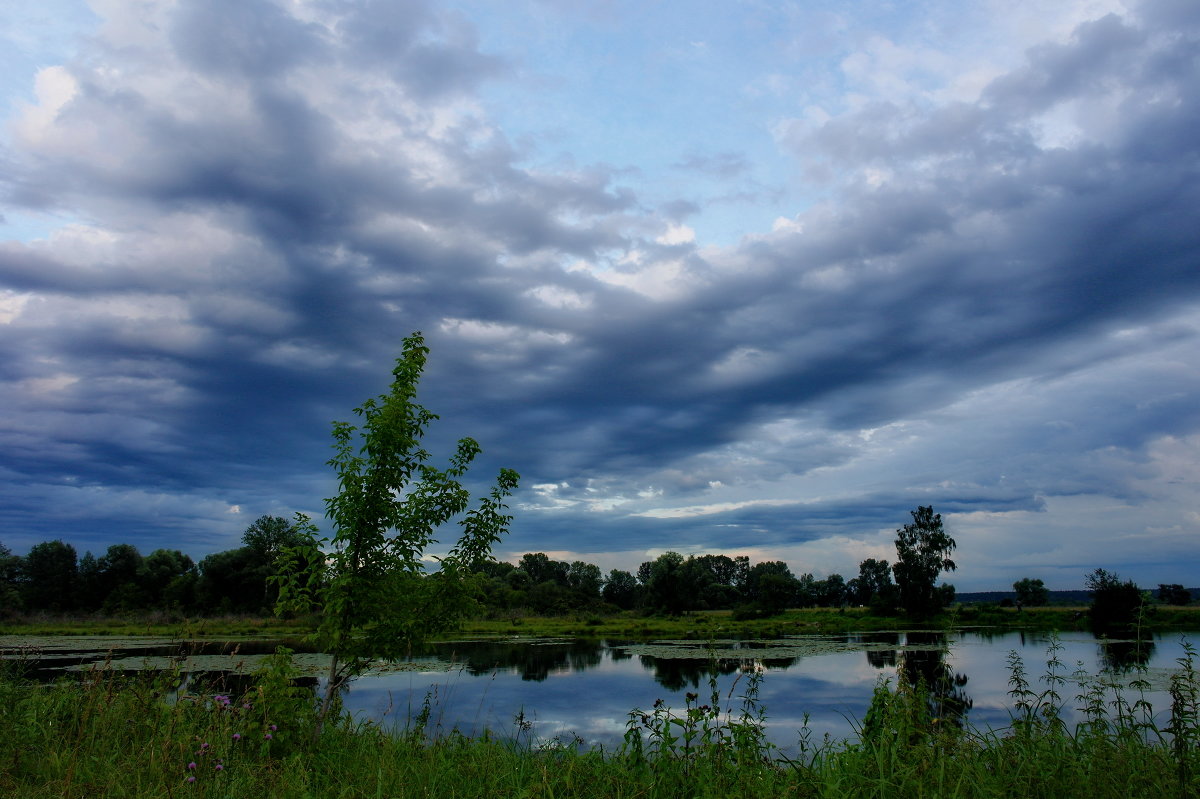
x: 926, y: 667
x: 534, y: 661
x: 589, y: 687
x: 677, y: 674
x: 879, y: 658
x: 1123, y: 655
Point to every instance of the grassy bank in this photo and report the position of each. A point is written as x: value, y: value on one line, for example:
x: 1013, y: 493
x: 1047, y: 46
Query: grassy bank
x: 159, y: 625
x: 109, y: 736
x: 700, y: 625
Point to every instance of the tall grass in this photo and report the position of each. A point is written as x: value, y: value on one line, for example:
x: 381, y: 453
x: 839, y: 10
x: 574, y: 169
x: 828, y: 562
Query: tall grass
x: 112, y: 736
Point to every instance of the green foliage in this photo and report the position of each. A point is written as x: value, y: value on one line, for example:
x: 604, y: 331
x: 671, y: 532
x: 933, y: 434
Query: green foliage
x: 1116, y: 604
x: 621, y: 589
x: 670, y: 588
x: 542, y: 569
x: 1174, y: 594
x: 1031, y: 593
x: 50, y: 576
x: 922, y: 552
x: 10, y: 575
x: 873, y: 582
x: 269, y: 536
x: 375, y: 599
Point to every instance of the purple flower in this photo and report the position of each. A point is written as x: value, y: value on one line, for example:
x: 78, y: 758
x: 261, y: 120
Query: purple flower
x: 267, y: 736
x: 192, y: 765
x: 191, y: 778
x: 274, y: 728
x: 246, y: 706
x: 204, y: 745
x: 219, y: 767
x: 237, y: 736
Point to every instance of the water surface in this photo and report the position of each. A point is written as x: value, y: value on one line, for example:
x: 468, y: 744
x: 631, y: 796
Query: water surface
x: 540, y: 690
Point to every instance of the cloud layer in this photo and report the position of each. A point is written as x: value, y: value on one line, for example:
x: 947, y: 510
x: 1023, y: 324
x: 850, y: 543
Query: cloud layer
x: 984, y: 298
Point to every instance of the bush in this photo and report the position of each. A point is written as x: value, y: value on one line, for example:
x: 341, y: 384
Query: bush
x: 1116, y: 605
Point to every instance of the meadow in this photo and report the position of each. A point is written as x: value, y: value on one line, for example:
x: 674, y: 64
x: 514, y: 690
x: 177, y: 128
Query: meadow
x: 120, y: 736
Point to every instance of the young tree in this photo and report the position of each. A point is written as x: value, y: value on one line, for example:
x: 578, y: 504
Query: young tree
x: 1031, y: 593
x: 922, y: 552
x: 376, y: 599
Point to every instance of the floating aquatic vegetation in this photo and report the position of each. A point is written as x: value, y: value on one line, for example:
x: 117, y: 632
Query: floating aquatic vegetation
x: 789, y: 647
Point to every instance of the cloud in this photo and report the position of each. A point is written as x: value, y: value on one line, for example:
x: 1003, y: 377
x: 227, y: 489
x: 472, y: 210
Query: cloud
x: 990, y: 306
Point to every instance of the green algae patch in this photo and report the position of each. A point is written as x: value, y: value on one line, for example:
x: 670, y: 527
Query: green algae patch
x: 790, y: 647
x: 306, y: 664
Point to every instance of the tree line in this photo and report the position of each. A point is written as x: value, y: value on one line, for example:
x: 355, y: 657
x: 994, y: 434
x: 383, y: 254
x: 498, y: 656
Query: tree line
x: 244, y: 580
x: 52, y: 578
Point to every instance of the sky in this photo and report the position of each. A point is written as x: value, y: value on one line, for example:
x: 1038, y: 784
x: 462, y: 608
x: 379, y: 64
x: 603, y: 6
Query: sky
x: 743, y: 277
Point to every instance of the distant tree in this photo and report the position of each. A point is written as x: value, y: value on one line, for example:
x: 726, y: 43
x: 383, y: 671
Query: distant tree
x: 50, y: 577
x: 831, y: 592
x: 621, y: 589
x: 268, y: 536
x: 497, y: 569
x: 922, y: 552
x: 585, y: 580
x: 542, y: 569
x: 375, y: 597
x: 668, y: 586
x: 807, y: 590
x: 90, y: 593
x: 10, y: 576
x: 1031, y: 593
x: 771, y: 587
x: 645, y: 572
x: 233, y: 581
x: 119, y: 579
x: 169, y: 579
x: 720, y: 569
x: 1173, y: 594
x: 1116, y: 603
x: 874, y: 578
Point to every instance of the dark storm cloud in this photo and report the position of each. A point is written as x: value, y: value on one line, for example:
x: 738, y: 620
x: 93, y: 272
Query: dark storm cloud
x: 268, y: 204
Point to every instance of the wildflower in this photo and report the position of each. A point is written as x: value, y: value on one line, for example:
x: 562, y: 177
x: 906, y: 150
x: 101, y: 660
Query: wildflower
x: 246, y: 706
x: 274, y: 728
x: 191, y: 778
x: 267, y: 736
x: 237, y: 736
x: 219, y: 767
x: 192, y: 765
x: 204, y: 745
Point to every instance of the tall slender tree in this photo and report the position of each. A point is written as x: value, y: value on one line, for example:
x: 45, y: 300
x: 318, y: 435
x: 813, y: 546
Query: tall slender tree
x: 922, y: 552
x: 375, y: 596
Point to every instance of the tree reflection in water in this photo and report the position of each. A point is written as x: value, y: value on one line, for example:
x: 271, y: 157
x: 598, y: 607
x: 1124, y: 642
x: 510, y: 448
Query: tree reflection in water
x: 927, y: 667
x: 1122, y: 655
x: 879, y: 658
x: 533, y: 660
x: 676, y: 674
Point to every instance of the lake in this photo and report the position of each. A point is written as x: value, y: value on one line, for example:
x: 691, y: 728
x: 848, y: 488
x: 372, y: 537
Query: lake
x: 541, y: 689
